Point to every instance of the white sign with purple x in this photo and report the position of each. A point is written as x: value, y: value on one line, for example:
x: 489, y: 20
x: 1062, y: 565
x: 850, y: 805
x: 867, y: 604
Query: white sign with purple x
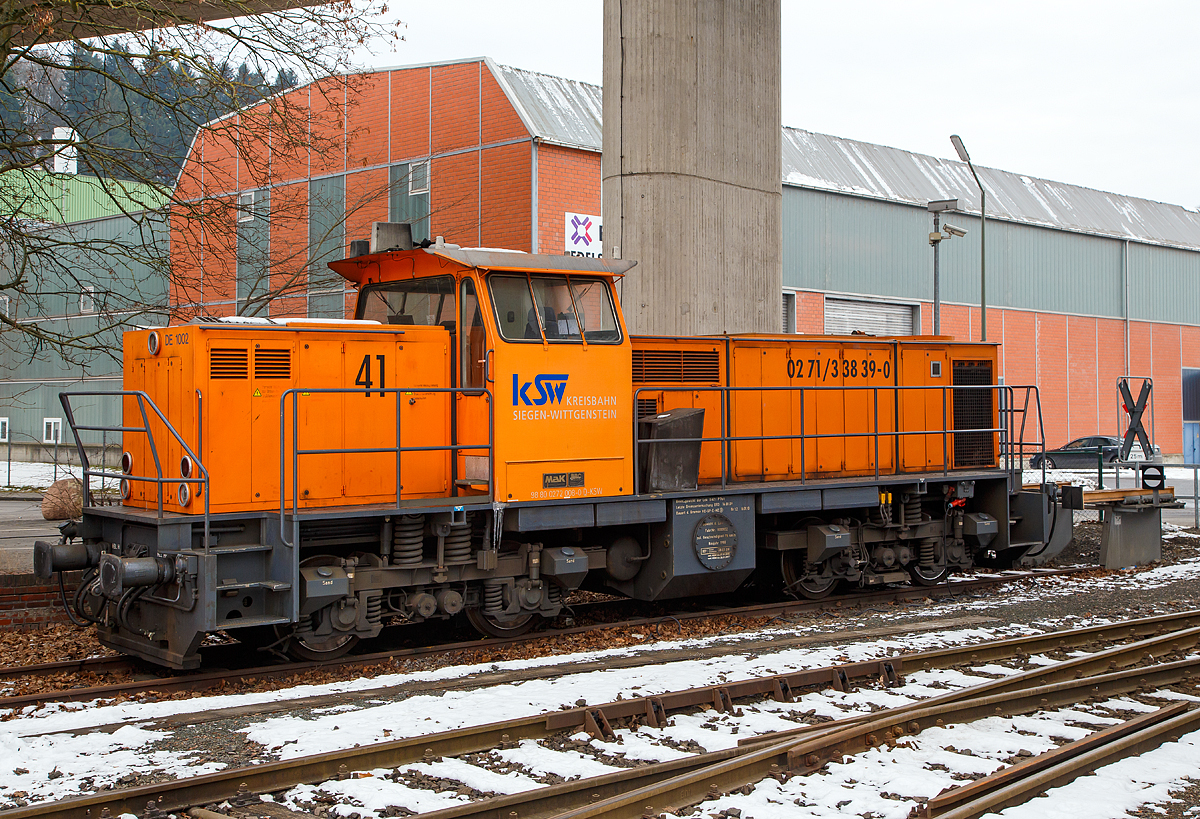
x: 583, y: 235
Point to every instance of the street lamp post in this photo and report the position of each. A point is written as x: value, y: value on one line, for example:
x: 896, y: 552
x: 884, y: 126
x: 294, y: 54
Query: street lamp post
x: 935, y: 239
x: 965, y: 157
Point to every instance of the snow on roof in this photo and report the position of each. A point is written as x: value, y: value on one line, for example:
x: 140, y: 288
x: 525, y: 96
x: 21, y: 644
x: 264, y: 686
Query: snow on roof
x: 567, y: 112
x: 832, y: 163
x: 556, y: 110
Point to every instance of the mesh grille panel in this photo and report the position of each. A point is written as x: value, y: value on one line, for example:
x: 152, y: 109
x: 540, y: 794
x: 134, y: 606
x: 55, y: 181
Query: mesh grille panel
x: 225, y: 362
x: 656, y: 366
x: 973, y: 410
x: 273, y: 363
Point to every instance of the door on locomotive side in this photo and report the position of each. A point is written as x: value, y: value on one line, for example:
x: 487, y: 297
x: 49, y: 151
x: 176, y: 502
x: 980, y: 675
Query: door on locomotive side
x: 473, y: 407
x: 925, y: 406
x: 564, y: 421
x: 421, y: 312
x: 867, y: 370
x: 817, y: 366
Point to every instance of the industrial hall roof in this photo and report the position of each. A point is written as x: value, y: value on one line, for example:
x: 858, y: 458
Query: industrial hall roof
x: 863, y: 169
x: 567, y: 112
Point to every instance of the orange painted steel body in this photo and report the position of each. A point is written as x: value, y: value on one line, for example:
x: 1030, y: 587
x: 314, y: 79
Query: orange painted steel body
x: 233, y: 376
x: 562, y: 412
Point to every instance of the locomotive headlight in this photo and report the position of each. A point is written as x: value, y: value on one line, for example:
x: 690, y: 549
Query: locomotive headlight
x: 152, y: 342
x: 127, y: 463
x: 185, y: 494
x: 185, y: 466
x: 125, y: 489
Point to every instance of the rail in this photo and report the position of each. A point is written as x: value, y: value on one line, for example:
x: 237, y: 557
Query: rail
x: 398, y: 450
x: 143, y: 401
x: 1013, y: 448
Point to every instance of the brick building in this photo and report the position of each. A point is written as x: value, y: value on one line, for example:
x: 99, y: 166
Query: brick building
x: 481, y: 154
x: 1083, y: 285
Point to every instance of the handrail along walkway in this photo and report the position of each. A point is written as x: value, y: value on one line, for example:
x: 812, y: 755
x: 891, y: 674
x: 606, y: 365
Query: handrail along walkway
x: 143, y: 400
x: 453, y: 447
x: 1012, y: 451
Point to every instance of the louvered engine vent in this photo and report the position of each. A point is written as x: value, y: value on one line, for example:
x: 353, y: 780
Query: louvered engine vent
x: 273, y: 363
x: 656, y: 366
x: 225, y: 362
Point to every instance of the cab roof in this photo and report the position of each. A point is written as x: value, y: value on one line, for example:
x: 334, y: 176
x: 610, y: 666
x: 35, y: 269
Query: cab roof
x: 402, y: 264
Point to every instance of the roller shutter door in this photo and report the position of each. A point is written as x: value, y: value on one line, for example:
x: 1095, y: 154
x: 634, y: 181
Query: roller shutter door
x: 844, y: 316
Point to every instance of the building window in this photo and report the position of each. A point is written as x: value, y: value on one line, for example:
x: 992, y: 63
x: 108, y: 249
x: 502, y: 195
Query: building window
x: 246, y: 206
x: 87, y: 300
x: 3, y: 430
x: 51, y: 430
x: 789, y: 312
x: 418, y: 178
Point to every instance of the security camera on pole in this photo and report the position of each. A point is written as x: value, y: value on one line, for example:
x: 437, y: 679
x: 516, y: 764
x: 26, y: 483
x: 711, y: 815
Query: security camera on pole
x: 935, y: 239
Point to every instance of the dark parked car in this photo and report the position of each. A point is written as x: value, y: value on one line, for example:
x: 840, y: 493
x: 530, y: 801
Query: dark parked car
x: 1081, y: 453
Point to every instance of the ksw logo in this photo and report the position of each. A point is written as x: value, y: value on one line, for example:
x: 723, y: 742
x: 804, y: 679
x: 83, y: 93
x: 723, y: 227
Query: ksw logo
x: 549, y: 388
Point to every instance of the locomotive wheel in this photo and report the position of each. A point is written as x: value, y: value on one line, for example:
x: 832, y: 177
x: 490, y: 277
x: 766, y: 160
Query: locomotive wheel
x: 309, y: 646
x: 813, y: 587
x: 484, y: 624
x: 329, y: 647
x: 927, y: 575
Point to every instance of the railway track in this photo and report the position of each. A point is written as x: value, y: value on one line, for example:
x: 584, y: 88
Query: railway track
x: 1142, y: 663
x: 169, y: 683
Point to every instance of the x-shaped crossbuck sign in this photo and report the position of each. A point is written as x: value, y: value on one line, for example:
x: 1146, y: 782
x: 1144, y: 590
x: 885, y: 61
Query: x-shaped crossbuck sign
x: 1135, y: 410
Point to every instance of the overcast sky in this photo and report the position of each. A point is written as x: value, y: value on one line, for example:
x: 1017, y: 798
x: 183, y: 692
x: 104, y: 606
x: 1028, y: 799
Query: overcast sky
x: 1103, y: 93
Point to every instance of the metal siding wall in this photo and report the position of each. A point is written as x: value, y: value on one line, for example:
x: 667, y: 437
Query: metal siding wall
x: 1164, y: 284
x: 326, y: 242
x: 33, y: 375
x: 27, y: 404
x: 1049, y: 270
x: 844, y: 244
x: 254, y: 252
x: 406, y: 207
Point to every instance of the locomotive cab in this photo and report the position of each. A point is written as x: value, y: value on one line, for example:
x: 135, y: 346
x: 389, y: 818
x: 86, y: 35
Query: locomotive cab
x: 540, y: 354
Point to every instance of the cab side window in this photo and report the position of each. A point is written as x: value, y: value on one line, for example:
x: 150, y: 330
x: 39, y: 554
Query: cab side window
x: 514, y: 308
x: 472, y: 344
x: 560, y: 309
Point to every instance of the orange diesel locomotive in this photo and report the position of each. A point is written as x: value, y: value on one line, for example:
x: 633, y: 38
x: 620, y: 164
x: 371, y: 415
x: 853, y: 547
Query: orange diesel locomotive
x: 485, y: 436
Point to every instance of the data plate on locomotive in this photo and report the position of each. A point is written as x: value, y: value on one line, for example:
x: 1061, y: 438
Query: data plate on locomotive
x: 714, y: 541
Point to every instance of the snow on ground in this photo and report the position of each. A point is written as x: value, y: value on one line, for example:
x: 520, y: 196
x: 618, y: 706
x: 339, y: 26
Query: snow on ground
x: 54, y: 763
x: 39, y: 476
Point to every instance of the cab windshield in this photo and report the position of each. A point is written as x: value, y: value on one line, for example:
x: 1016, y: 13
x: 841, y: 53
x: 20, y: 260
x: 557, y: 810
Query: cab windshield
x: 414, y: 301
x: 560, y: 309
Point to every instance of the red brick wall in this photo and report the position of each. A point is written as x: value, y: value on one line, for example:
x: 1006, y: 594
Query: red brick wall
x: 454, y: 198
x: 410, y: 114
x: 29, y: 603
x: 456, y: 95
x: 505, y: 208
x: 358, y: 125
x: 810, y: 313
x: 1074, y: 360
x: 568, y: 181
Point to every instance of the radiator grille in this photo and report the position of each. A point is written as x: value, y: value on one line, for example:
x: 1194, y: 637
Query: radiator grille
x: 973, y: 410
x: 273, y: 363
x: 657, y: 366
x: 226, y: 362
x: 647, y: 407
